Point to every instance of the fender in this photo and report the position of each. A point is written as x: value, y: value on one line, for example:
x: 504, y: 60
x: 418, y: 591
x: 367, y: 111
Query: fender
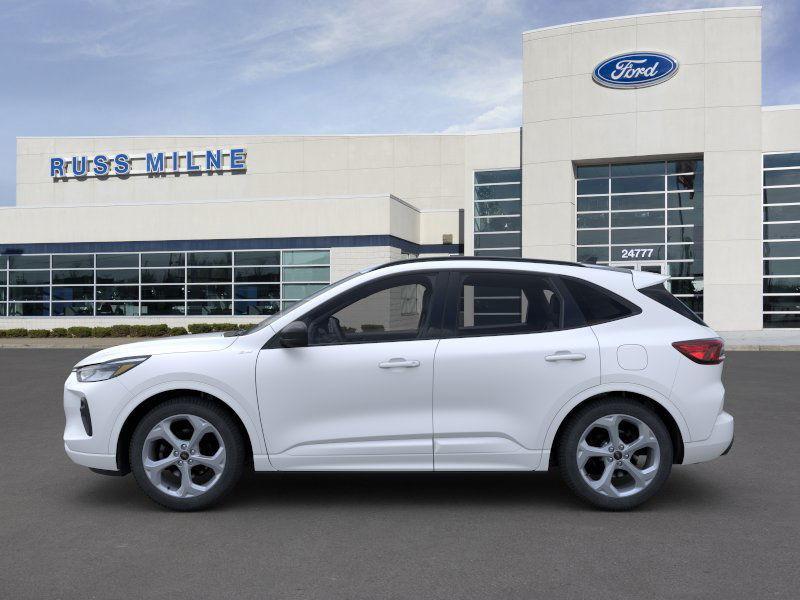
x: 254, y: 431
x: 561, y: 414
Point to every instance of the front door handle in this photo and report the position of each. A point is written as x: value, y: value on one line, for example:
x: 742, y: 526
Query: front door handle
x: 398, y: 363
x: 565, y: 355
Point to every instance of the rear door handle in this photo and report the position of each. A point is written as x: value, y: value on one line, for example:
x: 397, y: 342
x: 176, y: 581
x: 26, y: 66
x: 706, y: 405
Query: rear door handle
x: 565, y: 355
x: 398, y: 363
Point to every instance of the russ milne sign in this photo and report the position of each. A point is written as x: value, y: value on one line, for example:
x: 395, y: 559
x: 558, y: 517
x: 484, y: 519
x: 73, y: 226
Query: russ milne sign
x: 635, y: 70
x: 151, y: 163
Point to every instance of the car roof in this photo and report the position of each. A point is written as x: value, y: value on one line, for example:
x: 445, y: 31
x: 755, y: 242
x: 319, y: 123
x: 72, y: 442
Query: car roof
x: 492, y: 259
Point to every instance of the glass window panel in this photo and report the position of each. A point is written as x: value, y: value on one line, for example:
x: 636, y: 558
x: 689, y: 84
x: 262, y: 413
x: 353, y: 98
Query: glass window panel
x: 3, y: 309
x: 782, y: 231
x: 162, y: 309
x: 163, y: 276
x: 637, y: 219
x: 41, y: 261
x: 256, y: 308
x: 782, y: 285
x: 681, y: 269
x: 598, y: 254
x: 588, y: 171
x: 3, y: 262
x: 684, y: 217
x: 257, y: 258
x: 298, y: 291
x: 117, y: 309
x: 782, y: 213
x: 782, y: 267
x: 28, y: 309
x: 684, y: 182
x: 637, y: 184
x: 209, y: 259
x: 83, y: 292
x: 680, y: 252
x: 639, y: 252
x: 648, y: 168
x: 509, y: 207
x: 776, y: 321
x: 782, y: 195
x: 498, y: 224
x: 637, y: 236
x: 29, y: 277
x: 498, y: 240
x: 498, y: 192
x: 209, y: 292
x: 788, y: 177
x: 637, y: 202
x: 118, y: 276
x: 788, y: 159
x: 117, y: 292
x: 163, y: 259
x: 73, y: 309
x: 73, y: 261
x: 782, y: 303
x: 684, y: 166
x: 777, y: 249
x: 498, y: 176
x: 680, y: 234
x: 221, y: 307
x: 2, y: 277
x: 73, y: 277
x: 306, y: 257
x: 29, y: 293
x: 162, y: 292
x: 209, y: 275
x: 2, y: 294
x: 257, y: 273
x: 592, y: 203
x: 500, y: 253
x: 589, y: 237
x: 254, y: 291
x: 114, y: 261
x: 592, y: 186
x: 685, y: 286
x: 306, y: 274
x: 592, y: 220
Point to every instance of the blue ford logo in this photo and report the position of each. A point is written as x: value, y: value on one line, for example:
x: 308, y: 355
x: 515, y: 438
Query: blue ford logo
x: 635, y: 70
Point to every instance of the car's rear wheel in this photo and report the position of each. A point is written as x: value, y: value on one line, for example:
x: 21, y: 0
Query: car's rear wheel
x: 187, y: 453
x: 615, y: 453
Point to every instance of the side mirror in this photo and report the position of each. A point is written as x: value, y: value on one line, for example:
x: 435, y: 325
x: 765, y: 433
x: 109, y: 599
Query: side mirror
x: 294, y: 335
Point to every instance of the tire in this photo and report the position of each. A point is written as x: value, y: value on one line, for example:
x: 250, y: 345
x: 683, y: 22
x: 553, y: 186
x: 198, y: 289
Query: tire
x: 187, y: 435
x: 626, y: 480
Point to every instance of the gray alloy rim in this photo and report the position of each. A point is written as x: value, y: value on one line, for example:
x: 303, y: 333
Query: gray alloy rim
x: 184, y: 456
x: 618, y: 456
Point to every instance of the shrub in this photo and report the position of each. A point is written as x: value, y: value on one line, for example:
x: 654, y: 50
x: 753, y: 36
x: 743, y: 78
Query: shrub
x: 201, y: 328
x: 2, y: 333
x: 17, y: 332
x: 101, y: 332
x: 120, y: 330
x: 177, y: 331
x: 59, y: 332
x: 138, y: 331
x: 224, y: 326
x: 38, y: 333
x: 80, y: 332
x: 156, y: 330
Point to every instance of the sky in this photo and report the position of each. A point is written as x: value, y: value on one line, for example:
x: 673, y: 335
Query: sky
x: 161, y: 67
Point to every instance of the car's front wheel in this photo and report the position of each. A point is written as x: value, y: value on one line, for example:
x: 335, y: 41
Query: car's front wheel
x: 615, y: 453
x: 187, y: 453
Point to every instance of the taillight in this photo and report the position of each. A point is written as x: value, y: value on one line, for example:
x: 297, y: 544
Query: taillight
x: 704, y: 352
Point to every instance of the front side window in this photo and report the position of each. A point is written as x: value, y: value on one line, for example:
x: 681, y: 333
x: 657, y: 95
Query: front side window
x: 391, y: 310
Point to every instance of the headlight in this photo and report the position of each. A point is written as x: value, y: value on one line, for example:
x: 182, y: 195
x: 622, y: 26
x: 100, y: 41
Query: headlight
x: 107, y: 370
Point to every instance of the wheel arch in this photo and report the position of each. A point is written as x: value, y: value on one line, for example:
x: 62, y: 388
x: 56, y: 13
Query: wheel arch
x: 145, y: 402
x: 669, y: 414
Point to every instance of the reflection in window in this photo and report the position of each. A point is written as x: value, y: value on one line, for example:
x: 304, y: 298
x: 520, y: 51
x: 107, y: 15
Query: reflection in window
x: 497, y: 224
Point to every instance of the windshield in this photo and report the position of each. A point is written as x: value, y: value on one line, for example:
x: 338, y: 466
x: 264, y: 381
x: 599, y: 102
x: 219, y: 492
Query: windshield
x: 274, y: 317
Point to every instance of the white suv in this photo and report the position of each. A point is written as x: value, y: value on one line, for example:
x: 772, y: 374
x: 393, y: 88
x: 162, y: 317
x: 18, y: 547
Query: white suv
x: 449, y: 364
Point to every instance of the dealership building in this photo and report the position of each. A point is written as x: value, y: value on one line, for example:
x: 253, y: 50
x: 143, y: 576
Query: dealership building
x: 643, y: 144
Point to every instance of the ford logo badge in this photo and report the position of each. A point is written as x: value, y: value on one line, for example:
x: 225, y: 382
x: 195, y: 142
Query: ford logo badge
x: 635, y: 70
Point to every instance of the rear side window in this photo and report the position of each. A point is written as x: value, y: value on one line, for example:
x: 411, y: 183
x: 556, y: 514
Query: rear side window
x: 661, y: 294
x: 599, y: 305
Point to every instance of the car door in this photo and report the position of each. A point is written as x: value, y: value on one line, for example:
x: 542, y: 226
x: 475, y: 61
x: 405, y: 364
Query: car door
x: 359, y: 396
x: 518, y: 349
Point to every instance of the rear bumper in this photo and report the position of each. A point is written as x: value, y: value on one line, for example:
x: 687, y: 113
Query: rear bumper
x: 715, y: 445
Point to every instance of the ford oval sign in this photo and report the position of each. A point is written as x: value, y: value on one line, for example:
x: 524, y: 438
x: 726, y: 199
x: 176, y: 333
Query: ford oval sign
x: 635, y: 70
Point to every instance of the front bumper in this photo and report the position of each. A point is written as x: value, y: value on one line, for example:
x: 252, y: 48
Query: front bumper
x: 714, y: 446
x: 105, y: 462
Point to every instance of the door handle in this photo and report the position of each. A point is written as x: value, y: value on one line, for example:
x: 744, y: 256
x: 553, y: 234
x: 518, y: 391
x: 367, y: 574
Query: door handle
x: 565, y: 355
x: 398, y: 363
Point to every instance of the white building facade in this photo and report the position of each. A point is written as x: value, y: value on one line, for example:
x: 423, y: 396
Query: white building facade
x: 664, y: 159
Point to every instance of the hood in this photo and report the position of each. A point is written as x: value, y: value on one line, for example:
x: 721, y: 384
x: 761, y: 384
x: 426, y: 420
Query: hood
x: 200, y: 342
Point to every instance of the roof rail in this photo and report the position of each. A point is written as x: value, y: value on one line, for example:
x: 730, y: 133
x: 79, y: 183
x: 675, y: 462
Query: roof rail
x: 481, y: 258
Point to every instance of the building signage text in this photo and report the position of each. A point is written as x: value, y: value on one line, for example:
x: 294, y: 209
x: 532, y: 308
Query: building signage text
x: 635, y: 70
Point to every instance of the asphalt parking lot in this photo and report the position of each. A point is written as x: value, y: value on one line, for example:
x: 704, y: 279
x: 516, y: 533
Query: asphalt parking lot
x: 727, y: 529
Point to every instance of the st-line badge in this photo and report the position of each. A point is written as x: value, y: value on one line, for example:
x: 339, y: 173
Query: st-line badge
x: 635, y: 70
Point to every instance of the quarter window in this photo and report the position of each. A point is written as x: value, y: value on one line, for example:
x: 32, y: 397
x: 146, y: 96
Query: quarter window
x: 599, y: 305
